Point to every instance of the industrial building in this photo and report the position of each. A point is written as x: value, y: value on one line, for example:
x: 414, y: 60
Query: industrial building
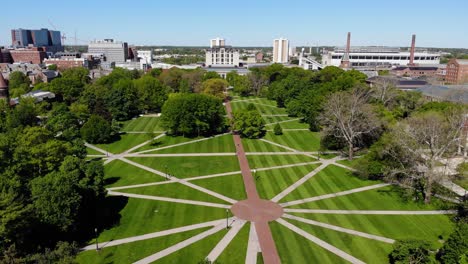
x: 49, y: 39
x: 351, y: 57
x: 280, y: 50
x: 221, y: 55
x: 113, y: 51
x: 457, y: 71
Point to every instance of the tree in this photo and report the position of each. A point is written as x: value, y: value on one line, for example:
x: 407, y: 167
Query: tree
x: 193, y: 114
x: 211, y: 75
x: 410, y: 252
x: 417, y: 144
x: 122, y: 100
x: 385, y: 90
x: 18, y: 79
x: 277, y: 129
x: 348, y: 115
x: 151, y: 93
x: 215, y: 87
x: 456, y: 246
x: 52, y: 67
x: 250, y: 124
x: 96, y: 130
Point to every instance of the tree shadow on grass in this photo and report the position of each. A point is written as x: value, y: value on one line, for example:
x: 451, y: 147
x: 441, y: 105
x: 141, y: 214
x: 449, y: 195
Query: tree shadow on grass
x: 111, y: 180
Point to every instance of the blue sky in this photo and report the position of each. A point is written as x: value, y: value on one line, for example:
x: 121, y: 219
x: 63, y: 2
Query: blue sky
x: 246, y: 23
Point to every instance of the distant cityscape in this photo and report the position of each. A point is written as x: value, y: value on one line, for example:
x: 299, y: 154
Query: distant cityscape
x: 33, y: 51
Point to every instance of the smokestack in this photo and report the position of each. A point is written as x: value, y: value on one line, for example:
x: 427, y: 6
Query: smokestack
x: 413, y: 44
x: 348, y: 43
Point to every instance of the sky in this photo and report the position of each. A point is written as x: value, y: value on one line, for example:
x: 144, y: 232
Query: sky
x: 245, y: 22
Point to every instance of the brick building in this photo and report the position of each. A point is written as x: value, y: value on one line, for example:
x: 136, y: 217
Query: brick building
x: 31, y: 55
x: 5, y: 56
x: 416, y: 71
x: 3, y: 87
x: 457, y: 71
x: 65, y: 63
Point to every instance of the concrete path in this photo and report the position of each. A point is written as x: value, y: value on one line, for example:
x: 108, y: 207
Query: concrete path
x: 369, y: 212
x: 278, y: 153
x: 144, y: 143
x: 181, y: 154
x: 153, y: 235
x: 98, y: 149
x: 288, y: 166
x: 141, y: 185
x: 344, y: 166
x: 291, y: 129
x: 320, y: 242
x: 253, y: 246
x: 224, y: 242
x: 284, y: 121
x: 213, y: 176
x: 181, y: 144
x: 96, y: 155
x: 333, y: 195
x: 460, y: 191
x: 288, y: 148
x: 340, y: 229
x: 267, y: 244
x: 301, y: 181
x: 167, y: 199
x: 181, y: 245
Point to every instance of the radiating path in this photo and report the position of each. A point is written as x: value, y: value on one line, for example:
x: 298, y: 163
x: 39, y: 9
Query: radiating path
x: 340, y: 229
x: 253, y: 246
x: 369, y: 212
x: 181, y: 245
x: 224, y: 242
x: 320, y: 242
x: 167, y: 199
x: 153, y: 235
x: 284, y: 121
x: 332, y: 195
x: 181, y: 144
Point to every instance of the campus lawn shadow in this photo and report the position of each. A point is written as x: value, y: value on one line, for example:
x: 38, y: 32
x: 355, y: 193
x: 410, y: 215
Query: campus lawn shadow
x: 111, y: 180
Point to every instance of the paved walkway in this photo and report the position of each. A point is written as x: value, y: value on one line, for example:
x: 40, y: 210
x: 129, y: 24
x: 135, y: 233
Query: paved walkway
x: 224, y: 242
x: 320, y: 242
x: 284, y: 121
x: 167, y: 199
x: 181, y: 245
x: 153, y: 235
x: 253, y: 246
x: 267, y: 244
x: 180, y: 144
x: 332, y: 195
x: 369, y: 212
x: 340, y: 229
x: 209, y: 154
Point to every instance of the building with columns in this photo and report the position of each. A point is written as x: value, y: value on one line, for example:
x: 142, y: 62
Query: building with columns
x: 221, y: 55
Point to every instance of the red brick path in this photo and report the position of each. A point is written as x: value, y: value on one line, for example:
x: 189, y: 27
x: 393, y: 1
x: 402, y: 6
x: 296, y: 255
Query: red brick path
x: 255, y: 209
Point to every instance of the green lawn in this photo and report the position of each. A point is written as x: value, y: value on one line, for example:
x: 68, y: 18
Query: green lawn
x: 119, y: 173
x: 351, y: 163
x: 142, y: 124
x: 256, y: 145
x: 237, y: 249
x: 166, y: 141
x: 91, y: 151
x: 426, y: 227
x: 272, y: 182
x: 126, y: 142
x: 264, y: 161
x: 275, y: 119
x: 293, y: 124
x: 462, y: 181
x: 131, y: 252
x: 223, y: 143
x: 299, y: 140
x: 184, y: 167
x: 264, y: 106
x: 294, y: 248
x: 175, y: 190
x: 332, y: 179
x: 385, y: 198
x: 231, y: 186
x: 140, y: 216
x: 367, y: 250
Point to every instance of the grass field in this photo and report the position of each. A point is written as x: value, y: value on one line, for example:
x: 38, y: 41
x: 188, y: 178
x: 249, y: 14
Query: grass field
x: 332, y: 179
x: 133, y: 217
x: 184, y: 167
x: 142, y: 124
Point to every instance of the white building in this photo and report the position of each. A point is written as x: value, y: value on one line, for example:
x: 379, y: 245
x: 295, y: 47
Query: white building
x: 221, y: 55
x: 114, y: 51
x: 217, y: 42
x: 280, y: 50
x: 145, y: 57
x: 378, y: 56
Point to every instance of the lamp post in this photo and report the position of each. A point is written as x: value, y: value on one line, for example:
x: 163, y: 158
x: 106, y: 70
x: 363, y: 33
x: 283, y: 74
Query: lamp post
x: 227, y: 218
x: 96, y: 234
x: 255, y: 173
x: 167, y: 174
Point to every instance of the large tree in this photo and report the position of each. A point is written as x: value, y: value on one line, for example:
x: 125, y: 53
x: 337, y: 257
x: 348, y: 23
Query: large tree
x: 215, y: 87
x: 96, y: 130
x: 193, y: 114
x: 348, y: 115
x: 249, y: 123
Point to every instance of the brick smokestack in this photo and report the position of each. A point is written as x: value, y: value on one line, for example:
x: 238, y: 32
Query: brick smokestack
x: 348, y: 43
x: 413, y: 45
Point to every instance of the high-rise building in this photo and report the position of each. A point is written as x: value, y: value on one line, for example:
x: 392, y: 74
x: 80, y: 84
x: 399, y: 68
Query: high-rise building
x: 113, y: 51
x: 280, y: 50
x: 49, y: 39
x: 221, y: 55
x: 217, y: 42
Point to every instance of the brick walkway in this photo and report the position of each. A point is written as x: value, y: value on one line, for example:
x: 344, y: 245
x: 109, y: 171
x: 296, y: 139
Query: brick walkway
x: 265, y: 238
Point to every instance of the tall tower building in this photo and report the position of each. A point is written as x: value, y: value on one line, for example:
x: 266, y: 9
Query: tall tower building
x: 280, y: 50
x: 217, y: 42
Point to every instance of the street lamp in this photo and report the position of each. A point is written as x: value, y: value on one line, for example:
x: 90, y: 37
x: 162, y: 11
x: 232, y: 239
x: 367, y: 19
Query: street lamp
x: 255, y: 173
x: 167, y: 174
x: 227, y: 218
x: 96, y: 234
